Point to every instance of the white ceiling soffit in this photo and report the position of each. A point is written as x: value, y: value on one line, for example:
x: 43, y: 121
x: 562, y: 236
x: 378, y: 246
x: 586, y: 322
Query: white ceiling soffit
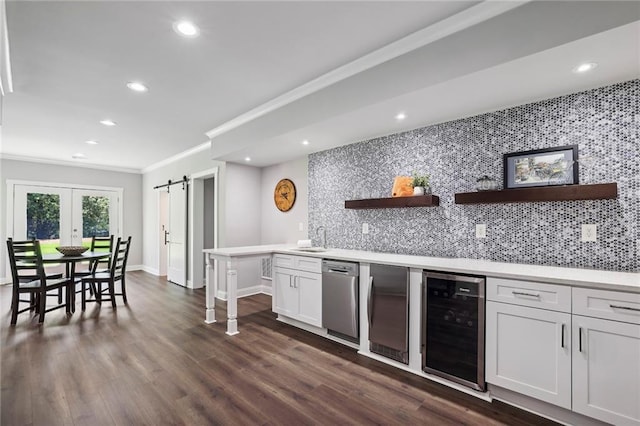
x: 537, y: 77
x: 469, y: 72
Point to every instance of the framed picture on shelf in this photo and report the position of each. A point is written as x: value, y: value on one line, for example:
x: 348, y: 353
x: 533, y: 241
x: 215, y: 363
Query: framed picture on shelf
x: 541, y: 167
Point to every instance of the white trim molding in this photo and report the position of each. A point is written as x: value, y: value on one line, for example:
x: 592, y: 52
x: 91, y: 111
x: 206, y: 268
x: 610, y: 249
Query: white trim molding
x: 246, y: 292
x: 68, y: 163
x: 199, y: 148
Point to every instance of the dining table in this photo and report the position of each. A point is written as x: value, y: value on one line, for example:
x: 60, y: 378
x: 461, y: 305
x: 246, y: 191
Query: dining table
x: 70, y: 262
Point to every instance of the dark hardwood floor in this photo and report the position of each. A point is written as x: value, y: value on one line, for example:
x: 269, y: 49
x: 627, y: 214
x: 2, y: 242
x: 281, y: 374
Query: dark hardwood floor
x: 155, y: 362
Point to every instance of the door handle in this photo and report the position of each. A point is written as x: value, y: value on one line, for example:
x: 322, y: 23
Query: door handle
x: 166, y: 240
x: 370, y: 302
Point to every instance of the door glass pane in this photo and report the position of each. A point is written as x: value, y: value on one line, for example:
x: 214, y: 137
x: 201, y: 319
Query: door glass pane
x: 95, y: 218
x: 43, y: 220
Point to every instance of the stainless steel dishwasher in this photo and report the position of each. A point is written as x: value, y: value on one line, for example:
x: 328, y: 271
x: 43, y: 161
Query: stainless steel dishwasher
x: 340, y: 299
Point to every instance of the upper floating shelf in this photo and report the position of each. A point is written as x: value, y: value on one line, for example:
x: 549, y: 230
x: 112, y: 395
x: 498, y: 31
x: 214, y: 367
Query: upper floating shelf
x: 388, y: 203
x: 600, y: 191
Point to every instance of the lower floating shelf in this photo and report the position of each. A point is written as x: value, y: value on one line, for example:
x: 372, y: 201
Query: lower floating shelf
x: 395, y: 202
x: 600, y: 191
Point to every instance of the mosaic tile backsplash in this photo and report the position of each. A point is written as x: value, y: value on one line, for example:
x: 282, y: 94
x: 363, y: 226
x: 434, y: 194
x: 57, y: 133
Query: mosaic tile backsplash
x: 604, y: 123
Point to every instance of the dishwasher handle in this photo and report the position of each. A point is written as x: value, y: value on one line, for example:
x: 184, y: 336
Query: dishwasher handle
x: 338, y: 271
x: 370, y: 302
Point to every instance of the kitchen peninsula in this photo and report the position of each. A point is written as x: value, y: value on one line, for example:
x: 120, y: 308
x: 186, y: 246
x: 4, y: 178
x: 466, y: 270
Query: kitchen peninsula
x: 613, y: 296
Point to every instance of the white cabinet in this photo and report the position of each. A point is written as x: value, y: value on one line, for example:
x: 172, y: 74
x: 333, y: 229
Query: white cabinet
x: 606, y: 356
x: 528, y: 349
x: 297, y: 289
x: 579, y: 350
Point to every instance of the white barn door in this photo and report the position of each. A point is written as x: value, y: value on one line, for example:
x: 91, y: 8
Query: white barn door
x: 177, y: 235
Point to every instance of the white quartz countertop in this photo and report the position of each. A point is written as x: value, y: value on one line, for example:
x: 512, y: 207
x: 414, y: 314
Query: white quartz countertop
x: 592, y: 278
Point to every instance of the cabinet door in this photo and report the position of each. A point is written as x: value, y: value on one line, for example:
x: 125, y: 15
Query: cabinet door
x: 526, y: 353
x: 310, y: 291
x: 285, y: 295
x: 606, y: 370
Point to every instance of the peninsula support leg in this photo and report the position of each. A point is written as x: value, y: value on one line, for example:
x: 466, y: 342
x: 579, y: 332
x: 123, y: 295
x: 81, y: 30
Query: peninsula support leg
x: 232, y: 299
x: 211, y: 280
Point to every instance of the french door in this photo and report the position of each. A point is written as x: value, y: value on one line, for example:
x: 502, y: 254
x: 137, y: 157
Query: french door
x: 64, y: 216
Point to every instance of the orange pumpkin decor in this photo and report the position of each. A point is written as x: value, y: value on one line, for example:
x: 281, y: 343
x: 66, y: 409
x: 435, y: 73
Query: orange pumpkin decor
x: 402, y: 186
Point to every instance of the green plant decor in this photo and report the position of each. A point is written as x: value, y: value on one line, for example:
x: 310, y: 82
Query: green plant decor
x: 420, y: 180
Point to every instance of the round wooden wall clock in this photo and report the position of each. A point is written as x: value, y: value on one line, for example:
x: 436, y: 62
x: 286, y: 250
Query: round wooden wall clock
x: 284, y: 195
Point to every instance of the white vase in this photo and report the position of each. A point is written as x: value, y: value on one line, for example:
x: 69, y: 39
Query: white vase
x: 418, y: 190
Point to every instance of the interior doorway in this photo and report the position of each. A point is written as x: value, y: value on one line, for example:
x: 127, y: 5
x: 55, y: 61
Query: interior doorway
x: 204, y: 213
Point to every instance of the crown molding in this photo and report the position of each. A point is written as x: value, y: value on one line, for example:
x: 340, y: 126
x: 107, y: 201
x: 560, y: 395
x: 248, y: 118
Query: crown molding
x: 199, y: 148
x: 458, y: 22
x: 68, y: 163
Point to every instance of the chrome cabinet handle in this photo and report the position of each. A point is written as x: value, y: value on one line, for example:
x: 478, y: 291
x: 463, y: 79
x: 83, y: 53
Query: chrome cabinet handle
x: 626, y: 308
x: 562, y: 337
x: 370, y: 301
x: 521, y: 293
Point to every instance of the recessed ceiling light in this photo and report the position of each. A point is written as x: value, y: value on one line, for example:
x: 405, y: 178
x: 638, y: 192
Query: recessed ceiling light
x: 78, y: 156
x: 92, y: 142
x: 137, y: 86
x: 108, y: 122
x: 247, y: 159
x: 401, y: 116
x: 305, y: 142
x: 587, y: 66
x: 185, y: 28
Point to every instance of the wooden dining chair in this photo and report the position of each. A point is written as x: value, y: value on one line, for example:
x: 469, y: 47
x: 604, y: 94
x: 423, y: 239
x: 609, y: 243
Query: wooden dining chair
x: 102, y: 265
x: 116, y: 273
x: 25, y: 259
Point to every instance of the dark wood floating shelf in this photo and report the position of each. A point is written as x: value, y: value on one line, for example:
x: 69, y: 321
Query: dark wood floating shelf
x: 395, y: 202
x: 600, y: 191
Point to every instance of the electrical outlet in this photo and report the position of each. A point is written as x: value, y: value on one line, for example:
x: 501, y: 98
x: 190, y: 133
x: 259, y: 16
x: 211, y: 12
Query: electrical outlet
x: 365, y: 228
x: 301, y: 226
x: 481, y: 230
x: 589, y: 232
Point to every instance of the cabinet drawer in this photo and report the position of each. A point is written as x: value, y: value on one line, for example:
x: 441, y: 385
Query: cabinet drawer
x: 528, y: 293
x: 299, y: 263
x: 611, y: 305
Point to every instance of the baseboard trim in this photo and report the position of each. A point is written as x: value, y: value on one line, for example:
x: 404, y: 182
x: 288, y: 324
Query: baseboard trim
x: 245, y: 292
x: 148, y: 269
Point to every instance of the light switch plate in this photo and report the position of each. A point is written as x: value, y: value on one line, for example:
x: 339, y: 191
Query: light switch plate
x: 481, y: 230
x: 365, y: 228
x: 589, y: 232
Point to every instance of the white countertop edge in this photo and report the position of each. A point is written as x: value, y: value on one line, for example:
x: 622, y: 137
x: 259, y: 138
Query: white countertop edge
x: 592, y: 278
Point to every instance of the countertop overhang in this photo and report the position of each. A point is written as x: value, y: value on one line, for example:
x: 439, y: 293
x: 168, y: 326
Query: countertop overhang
x: 589, y: 278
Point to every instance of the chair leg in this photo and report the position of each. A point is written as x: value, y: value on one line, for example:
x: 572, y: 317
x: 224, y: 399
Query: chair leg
x: 60, y: 296
x: 83, y: 284
x: 14, y: 307
x: 124, y: 290
x: 97, y: 292
x: 112, y: 292
x: 43, y: 306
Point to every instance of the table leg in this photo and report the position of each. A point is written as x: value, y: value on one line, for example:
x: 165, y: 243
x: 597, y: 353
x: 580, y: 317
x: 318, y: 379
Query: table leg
x: 232, y: 299
x: 211, y: 289
x: 73, y: 287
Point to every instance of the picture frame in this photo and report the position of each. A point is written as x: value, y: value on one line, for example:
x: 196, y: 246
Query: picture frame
x: 541, y: 167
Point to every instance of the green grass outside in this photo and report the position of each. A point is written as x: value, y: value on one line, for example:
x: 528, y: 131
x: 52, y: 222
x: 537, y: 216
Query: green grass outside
x: 49, y: 246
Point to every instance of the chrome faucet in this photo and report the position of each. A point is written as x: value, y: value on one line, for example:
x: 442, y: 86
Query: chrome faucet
x: 324, y: 235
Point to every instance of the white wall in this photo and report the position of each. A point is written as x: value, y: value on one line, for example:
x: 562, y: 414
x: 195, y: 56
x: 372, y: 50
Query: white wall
x: 283, y: 227
x: 40, y: 172
x: 175, y: 170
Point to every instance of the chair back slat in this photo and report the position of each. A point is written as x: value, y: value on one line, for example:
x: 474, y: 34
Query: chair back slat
x: 101, y: 244
x: 25, y: 259
x: 119, y: 257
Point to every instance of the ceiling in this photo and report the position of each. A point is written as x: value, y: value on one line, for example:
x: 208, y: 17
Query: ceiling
x: 264, y: 76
